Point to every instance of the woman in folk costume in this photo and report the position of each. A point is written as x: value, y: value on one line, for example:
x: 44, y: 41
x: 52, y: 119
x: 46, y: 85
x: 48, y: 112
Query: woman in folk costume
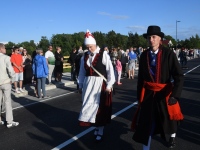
x: 96, y: 89
x: 158, y: 99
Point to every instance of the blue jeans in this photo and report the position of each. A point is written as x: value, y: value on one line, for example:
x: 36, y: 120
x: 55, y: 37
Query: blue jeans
x: 41, y: 85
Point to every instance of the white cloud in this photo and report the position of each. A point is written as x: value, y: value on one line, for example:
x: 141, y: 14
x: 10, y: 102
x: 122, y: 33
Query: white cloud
x: 186, y: 33
x: 117, y: 17
x: 138, y: 29
x: 4, y: 42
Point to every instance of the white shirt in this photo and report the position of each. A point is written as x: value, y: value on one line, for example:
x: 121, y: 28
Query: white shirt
x: 155, y: 52
x: 49, y: 54
x: 109, y: 69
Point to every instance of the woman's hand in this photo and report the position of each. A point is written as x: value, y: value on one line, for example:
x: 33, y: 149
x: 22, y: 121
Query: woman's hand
x: 108, y: 91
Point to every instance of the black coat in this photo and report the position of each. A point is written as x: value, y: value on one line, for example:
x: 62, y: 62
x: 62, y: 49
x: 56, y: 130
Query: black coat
x: 58, y: 62
x: 153, y: 110
x: 72, y: 58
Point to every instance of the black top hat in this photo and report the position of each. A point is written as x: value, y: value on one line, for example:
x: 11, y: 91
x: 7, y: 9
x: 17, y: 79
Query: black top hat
x: 153, y: 30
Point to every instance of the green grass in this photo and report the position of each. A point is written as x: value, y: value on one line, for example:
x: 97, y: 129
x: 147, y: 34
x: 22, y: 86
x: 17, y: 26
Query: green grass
x: 67, y: 70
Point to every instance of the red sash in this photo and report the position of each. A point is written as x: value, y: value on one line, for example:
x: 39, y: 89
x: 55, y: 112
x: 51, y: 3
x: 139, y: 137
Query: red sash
x: 174, y: 111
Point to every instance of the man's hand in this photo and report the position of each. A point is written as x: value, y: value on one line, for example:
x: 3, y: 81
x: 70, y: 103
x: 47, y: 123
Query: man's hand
x: 172, y: 101
x: 19, y: 68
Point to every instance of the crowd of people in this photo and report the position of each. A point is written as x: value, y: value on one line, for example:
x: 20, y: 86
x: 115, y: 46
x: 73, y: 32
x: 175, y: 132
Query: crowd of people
x: 124, y: 62
x: 185, y: 54
x: 28, y: 68
x: 22, y: 68
x: 96, y: 70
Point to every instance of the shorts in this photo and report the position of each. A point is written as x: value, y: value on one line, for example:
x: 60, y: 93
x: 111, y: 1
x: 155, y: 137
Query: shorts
x: 19, y: 77
x: 131, y: 65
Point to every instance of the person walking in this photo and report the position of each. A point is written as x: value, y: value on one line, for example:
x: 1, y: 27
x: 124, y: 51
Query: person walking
x: 40, y: 71
x: 77, y: 65
x: 113, y: 57
x: 131, y: 63
x: 34, y: 79
x: 124, y: 62
x: 158, y: 99
x: 96, y: 78
x: 183, y: 58
x: 50, y: 58
x: 119, y: 71
x: 72, y: 63
x: 7, y: 73
x: 58, y: 64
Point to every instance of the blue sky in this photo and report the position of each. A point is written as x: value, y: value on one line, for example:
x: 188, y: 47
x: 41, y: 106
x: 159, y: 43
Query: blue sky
x: 25, y: 20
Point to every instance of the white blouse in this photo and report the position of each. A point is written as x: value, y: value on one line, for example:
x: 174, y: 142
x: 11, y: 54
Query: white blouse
x: 106, y: 61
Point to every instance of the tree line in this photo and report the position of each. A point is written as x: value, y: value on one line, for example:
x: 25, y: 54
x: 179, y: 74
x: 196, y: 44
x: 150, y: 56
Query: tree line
x: 112, y: 39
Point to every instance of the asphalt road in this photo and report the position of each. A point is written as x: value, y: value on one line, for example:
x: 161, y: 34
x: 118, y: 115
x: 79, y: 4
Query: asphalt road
x: 53, y: 123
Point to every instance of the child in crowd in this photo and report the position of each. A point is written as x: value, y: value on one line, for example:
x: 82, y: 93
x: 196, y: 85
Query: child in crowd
x: 119, y: 71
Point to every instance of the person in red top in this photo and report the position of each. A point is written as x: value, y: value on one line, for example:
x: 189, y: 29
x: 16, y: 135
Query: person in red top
x: 17, y: 62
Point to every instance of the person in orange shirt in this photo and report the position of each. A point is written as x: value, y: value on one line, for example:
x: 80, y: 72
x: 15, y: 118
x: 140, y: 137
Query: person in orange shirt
x: 17, y: 62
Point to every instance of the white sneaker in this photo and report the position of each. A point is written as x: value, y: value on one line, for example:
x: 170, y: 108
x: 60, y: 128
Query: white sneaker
x: 13, y: 124
x: 18, y: 92
x: 21, y: 90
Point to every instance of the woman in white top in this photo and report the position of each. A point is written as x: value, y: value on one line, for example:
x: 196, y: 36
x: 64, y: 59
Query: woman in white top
x: 96, y: 91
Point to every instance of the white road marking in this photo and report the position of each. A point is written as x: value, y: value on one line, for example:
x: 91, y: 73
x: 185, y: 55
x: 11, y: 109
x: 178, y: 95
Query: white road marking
x: 90, y: 129
x: 191, y: 70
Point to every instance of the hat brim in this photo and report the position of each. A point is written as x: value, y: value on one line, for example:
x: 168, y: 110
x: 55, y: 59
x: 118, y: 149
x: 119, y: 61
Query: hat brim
x: 161, y: 34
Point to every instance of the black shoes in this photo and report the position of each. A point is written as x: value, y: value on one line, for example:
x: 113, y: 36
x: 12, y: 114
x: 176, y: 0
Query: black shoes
x: 172, y: 142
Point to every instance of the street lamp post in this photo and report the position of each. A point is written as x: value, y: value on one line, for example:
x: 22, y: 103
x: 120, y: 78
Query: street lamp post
x: 176, y: 32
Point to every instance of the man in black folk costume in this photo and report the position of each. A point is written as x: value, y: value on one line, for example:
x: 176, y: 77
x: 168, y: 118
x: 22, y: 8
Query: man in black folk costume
x: 96, y: 78
x: 158, y: 99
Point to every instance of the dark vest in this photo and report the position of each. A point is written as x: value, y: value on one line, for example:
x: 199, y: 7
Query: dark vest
x: 97, y: 64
